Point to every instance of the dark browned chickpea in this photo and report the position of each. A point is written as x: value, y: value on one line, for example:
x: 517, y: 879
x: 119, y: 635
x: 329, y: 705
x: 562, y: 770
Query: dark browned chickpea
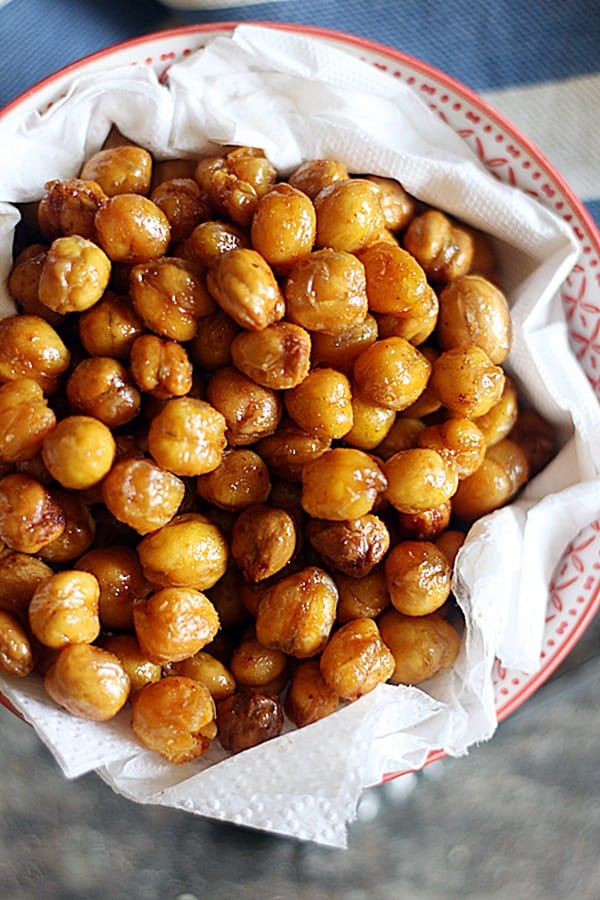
x: 391, y: 372
x: 416, y: 325
x: 364, y: 597
x: 422, y: 646
x: 235, y: 181
x: 354, y: 546
x: 313, y: 175
x: 23, y: 282
x: 121, y: 582
x: 174, y: 623
x: 211, y: 348
x: 110, y: 327
x: 101, y: 387
x: 417, y: 575
x: 349, y: 215
x: 342, y: 483
x: 370, y: 423
x: 309, y: 698
x: 64, y: 609
x: 256, y: 666
x: 248, y: 718
x: 31, y: 348
x: 184, y: 203
x: 536, y: 438
x: 25, y: 420
x: 160, y: 367
x: 500, y: 476
x: 16, y: 655
x: 283, y: 226
x: 20, y: 574
x: 289, y: 448
x: 418, y: 478
x: 74, y: 275
x: 426, y: 524
x: 450, y: 541
x: 321, y: 404
x: 444, y: 250
x: 474, y: 311
x: 263, y: 541
x: 326, y: 291
x: 277, y: 357
x: 88, y: 682
x: 356, y: 659
x: 245, y: 287
x: 141, y: 494
x: 30, y: 516
x: 396, y: 284
x: 174, y: 717
x: 241, y: 480
x: 226, y: 597
x: 339, y: 351
x: 132, y: 229
x: 209, y: 240
x: 78, y: 534
x: 169, y: 297
x: 68, y: 207
x: 398, y: 207
x: 459, y: 441
x: 403, y: 435
x: 190, y: 551
x: 251, y: 411
x: 466, y: 381
x: 125, y: 169
x: 209, y: 670
x: 127, y: 649
x: 497, y: 423
x: 79, y: 451
x: 297, y: 613
x: 187, y: 436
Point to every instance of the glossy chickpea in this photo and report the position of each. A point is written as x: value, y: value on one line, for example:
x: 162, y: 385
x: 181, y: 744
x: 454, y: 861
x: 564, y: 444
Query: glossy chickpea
x: 402, y: 435
x: 313, y: 175
x: 125, y: 169
x: 498, y: 422
x: 132, y: 229
x: 417, y: 324
x: 321, y: 404
x: 356, y: 659
x: 235, y: 180
x: 289, y: 448
x: 30, y: 516
x: 443, y: 249
x: 190, y: 551
x: 395, y: 282
x: 173, y: 623
x: 354, y: 546
x: 263, y: 540
x: 251, y: 411
x: 25, y: 420
x: 100, y: 386
x: 248, y: 718
x: 187, y: 436
x: 450, y: 541
x: 23, y: 282
x: 398, y: 207
x: 466, y: 381
x: 16, y: 654
x: 241, y: 480
x: 121, y: 583
x: 210, y: 671
x: 138, y: 668
x: 417, y: 575
x: 283, y: 226
x: 253, y: 665
x: 169, y: 297
x: 141, y: 494
x: 110, y: 327
x: 349, y: 215
x: 78, y: 534
x: 211, y: 347
x: 278, y: 357
x: 184, y: 203
x: 79, y: 451
x: 422, y: 646
x: 167, y: 169
x: 31, y: 348
x: 426, y: 524
x: 417, y: 479
x: 475, y: 311
x: 341, y: 484
x: 326, y: 291
x: 297, y: 613
x: 309, y: 698
x: 20, y: 574
x: 64, y: 609
x: 69, y: 207
x: 209, y: 240
x: 339, y: 351
x: 160, y: 367
x: 245, y: 287
x: 88, y: 682
x: 392, y: 373
x: 370, y: 423
x: 536, y: 438
x: 74, y: 275
x: 364, y: 597
x: 498, y: 479
x: 459, y: 441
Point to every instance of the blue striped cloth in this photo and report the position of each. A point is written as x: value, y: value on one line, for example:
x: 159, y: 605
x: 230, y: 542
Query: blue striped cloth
x: 537, y: 63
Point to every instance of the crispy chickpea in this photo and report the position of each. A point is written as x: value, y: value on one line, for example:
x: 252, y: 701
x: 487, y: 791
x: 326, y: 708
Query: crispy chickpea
x: 235, y: 180
x: 110, y: 327
x: 396, y: 284
x: 277, y: 357
x: 349, y: 215
x: 127, y: 649
x: 354, y: 546
x: 125, y: 169
x: 418, y: 478
x: 459, y: 441
x: 68, y: 207
x: 241, y: 479
x: 167, y: 169
x: 251, y: 411
x: 256, y: 666
x: 64, y: 609
x: 326, y: 291
x: 313, y: 175
x: 184, y: 203
x: 466, y: 381
x: 187, y: 436
x: 536, y: 438
x: 88, y: 682
x: 425, y: 524
x: 339, y: 351
x: 263, y: 541
x: 403, y: 435
x: 141, y: 494
x: 31, y: 348
x: 121, y: 582
x: 190, y: 551
x: 364, y: 597
x: 444, y: 250
x: 132, y: 229
x: 209, y: 240
x: 160, y: 367
x: 398, y: 207
x: 226, y: 597
x: 23, y: 282
x: 20, y: 574
x: 248, y: 718
x: 309, y: 698
x: 211, y: 347
x: 297, y: 613
x: 322, y: 404
x: 391, y: 372
x: 30, y: 516
x: 101, y: 387
x: 79, y: 451
x: 174, y: 717
x: 342, y: 483
x: 500, y: 476
x: 356, y: 659
x: 74, y: 275
x: 474, y: 311
x: 209, y: 670
x: 78, y: 534
x: 245, y: 287
x: 16, y: 654
x: 417, y: 575
x: 283, y: 226
x: 422, y: 646
x: 370, y: 423
x: 174, y: 623
x: 169, y: 297
x: 498, y: 421
x: 450, y: 541
x: 25, y: 420
x: 416, y: 325
x: 289, y: 448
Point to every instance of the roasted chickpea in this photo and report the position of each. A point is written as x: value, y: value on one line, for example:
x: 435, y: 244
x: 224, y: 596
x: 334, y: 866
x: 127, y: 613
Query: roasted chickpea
x: 78, y: 534
x: 30, y: 516
x: 500, y: 476
x: 354, y: 546
x: 25, y: 420
x: 417, y: 575
x: 251, y: 411
x: 391, y: 372
x: 190, y: 551
x: 209, y: 670
x: 342, y: 483
x: 88, y: 682
x: 160, y: 367
x: 397, y: 206
x: 364, y: 597
x: 396, y: 284
x: 322, y: 404
x: 209, y: 240
x: 418, y: 478
x: 283, y: 226
x: 16, y: 654
x: 184, y: 203
x: 125, y: 169
x: 289, y: 448
x: 443, y: 249
x: 121, y: 583
x: 263, y: 540
x: 349, y: 215
x: 242, y: 479
x: 167, y: 169
x: 68, y: 207
x: 101, y: 387
x: 535, y: 436
x: 169, y: 297
x: 450, y: 541
x: 174, y: 623
x: 20, y: 574
x: 74, y: 275
x: 370, y: 423
x: 326, y: 291
x: 31, y: 348
x: 187, y: 436
x: 79, y: 451
x: 110, y: 327
x: 235, y: 181
x: 211, y: 348
x: 313, y: 175
x: 403, y: 435
x: 308, y: 698
x: 248, y: 718
x: 426, y: 524
x: 466, y: 381
x: 474, y: 311
x: 297, y: 613
x: 422, y: 646
x: 139, y: 669
x: 278, y: 357
x: 498, y: 422
x: 141, y: 494
x: 339, y: 351
x: 244, y: 286
x: 23, y: 282
x: 174, y: 717
x: 416, y: 325
x: 356, y: 659
x: 253, y: 665
x: 64, y: 609
x: 459, y: 441
x: 132, y: 229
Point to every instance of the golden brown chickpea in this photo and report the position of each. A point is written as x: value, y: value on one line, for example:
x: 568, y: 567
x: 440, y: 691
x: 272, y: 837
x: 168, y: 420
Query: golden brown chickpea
x: 500, y: 476
x: 235, y: 180
x: 398, y: 207
x: 326, y: 291
x: 474, y: 311
x: 297, y: 613
x: 349, y: 215
x: 20, y: 574
x: 322, y: 404
x: 444, y: 250
x: 459, y: 441
x: 361, y: 598
x: 16, y: 654
x: 450, y: 541
x: 251, y: 411
x: 536, y: 438
x: 283, y: 226
x: 139, y: 669
x: 211, y: 348
x: 422, y: 646
x: 78, y: 534
x: 245, y: 287
x: 100, y: 386
x: 391, y: 372
x: 184, y: 203
x: 484, y: 261
x: 64, y: 609
x: 160, y: 367
x: 416, y: 325
x: 209, y: 670
x: 356, y: 659
x: 370, y: 423
x: 288, y: 449
x: 23, y: 282
x: 31, y: 348
x: 125, y: 169
x: 403, y: 435
x: 88, y: 682
x: 68, y: 207
x: 169, y: 297
x: 209, y: 240
x: 25, y: 420
x: 426, y: 524
x: 417, y: 575
x: 174, y: 623
x: 74, y: 275
x: 187, y: 436
x: 141, y: 494
x: 278, y: 357
x: 132, y: 229
x: 418, y: 478
x: 30, y: 516
x: 263, y: 541
x: 121, y: 582
x: 256, y: 666
x: 79, y: 451
x: 241, y: 480
x: 339, y: 351
x: 497, y: 423
x: 190, y: 551
x: 226, y: 597
x: 354, y: 546
x: 313, y: 175
x: 396, y: 283
x: 166, y: 169
x: 466, y: 381
x: 110, y: 327
x: 342, y: 483
x: 309, y: 698
x: 248, y: 718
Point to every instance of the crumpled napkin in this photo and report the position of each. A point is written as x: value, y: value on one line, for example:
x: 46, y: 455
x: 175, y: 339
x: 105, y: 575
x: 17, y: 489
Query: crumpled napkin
x: 300, y: 98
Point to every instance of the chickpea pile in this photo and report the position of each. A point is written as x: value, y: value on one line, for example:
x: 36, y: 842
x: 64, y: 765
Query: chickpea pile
x: 245, y: 424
